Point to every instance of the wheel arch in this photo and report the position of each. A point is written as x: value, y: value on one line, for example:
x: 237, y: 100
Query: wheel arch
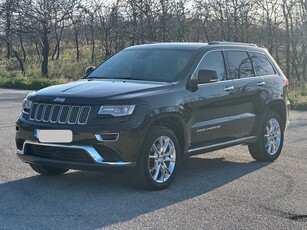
x: 280, y: 108
x: 177, y: 124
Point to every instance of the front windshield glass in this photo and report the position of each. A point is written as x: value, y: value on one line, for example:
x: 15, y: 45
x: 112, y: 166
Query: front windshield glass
x: 164, y: 65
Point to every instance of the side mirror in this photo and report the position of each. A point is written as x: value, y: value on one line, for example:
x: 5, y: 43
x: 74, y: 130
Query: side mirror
x: 89, y: 69
x: 205, y: 76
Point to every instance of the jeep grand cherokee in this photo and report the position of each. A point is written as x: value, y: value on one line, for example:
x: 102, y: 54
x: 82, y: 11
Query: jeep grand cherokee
x: 149, y: 106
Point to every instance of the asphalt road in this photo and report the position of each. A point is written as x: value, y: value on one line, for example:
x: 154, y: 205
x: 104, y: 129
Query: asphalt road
x: 220, y: 190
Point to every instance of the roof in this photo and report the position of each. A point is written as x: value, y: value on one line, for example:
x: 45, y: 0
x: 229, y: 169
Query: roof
x: 194, y: 45
x: 171, y: 45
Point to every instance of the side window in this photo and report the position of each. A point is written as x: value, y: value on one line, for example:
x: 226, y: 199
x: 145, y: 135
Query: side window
x: 214, y: 61
x: 239, y: 64
x: 261, y: 64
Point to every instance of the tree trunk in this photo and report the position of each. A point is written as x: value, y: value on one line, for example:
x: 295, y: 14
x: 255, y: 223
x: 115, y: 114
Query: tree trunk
x: 77, y: 44
x: 21, y: 66
x: 305, y: 68
x: 22, y: 47
x: 37, y: 48
x: 58, y: 37
x: 8, y: 14
x: 93, y: 51
x: 45, y: 53
x: 287, y: 40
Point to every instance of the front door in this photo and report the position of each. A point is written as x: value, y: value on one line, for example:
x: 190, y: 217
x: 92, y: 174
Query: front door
x: 213, y: 105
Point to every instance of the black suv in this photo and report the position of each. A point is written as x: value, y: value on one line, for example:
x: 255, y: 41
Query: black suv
x: 149, y: 106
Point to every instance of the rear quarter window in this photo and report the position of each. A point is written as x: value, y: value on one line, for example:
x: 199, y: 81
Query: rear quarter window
x: 262, y: 65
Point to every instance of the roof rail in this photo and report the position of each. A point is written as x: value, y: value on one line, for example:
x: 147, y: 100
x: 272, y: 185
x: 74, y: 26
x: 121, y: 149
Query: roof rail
x: 231, y: 43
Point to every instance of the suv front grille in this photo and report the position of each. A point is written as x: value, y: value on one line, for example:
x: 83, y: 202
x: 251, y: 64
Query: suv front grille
x: 61, y: 114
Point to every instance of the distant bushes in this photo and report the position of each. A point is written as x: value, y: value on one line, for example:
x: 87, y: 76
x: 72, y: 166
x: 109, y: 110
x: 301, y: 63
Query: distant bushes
x: 298, y: 98
x: 32, y: 83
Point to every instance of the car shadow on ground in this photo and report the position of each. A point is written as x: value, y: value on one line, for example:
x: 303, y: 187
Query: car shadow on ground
x: 90, y: 200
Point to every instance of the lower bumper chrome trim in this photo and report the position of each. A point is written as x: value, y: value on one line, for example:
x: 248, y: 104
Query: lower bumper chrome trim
x: 90, y: 151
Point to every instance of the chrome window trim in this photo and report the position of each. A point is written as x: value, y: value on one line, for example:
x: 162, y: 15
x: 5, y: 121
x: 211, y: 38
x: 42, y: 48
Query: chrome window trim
x: 193, y: 76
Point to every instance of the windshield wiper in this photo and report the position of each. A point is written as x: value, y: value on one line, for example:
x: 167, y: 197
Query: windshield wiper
x: 124, y: 78
x: 94, y: 77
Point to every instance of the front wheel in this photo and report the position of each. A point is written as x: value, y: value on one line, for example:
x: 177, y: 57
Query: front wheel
x: 270, y: 142
x: 47, y: 170
x: 157, y: 163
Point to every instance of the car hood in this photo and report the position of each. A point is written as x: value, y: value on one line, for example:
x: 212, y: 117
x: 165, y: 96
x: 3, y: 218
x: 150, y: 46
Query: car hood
x: 98, y: 91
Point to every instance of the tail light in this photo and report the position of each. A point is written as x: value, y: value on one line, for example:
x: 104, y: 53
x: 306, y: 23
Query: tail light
x: 287, y: 83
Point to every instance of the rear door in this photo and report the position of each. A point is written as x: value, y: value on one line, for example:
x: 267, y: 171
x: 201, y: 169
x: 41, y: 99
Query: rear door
x: 246, y: 91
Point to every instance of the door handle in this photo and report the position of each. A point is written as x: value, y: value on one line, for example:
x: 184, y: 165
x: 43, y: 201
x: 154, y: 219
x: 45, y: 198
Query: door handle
x: 228, y: 88
x: 260, y: 83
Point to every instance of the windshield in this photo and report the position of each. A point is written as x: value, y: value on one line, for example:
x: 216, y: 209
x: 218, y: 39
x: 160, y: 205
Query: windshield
x: 164, y: 65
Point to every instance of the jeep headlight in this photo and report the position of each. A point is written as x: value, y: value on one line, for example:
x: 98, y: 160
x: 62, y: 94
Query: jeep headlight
x: 116, y: 110
x: 26, y: 105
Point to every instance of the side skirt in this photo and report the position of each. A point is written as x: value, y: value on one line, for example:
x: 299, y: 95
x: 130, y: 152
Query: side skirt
x: 213, y: 147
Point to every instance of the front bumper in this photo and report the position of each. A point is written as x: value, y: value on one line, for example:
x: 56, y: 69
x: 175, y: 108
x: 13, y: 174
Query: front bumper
x: 97, y: 161
x: 87, y: 151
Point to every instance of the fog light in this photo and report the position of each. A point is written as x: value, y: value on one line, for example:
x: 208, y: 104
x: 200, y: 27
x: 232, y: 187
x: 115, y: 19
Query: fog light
x: 107, y: 137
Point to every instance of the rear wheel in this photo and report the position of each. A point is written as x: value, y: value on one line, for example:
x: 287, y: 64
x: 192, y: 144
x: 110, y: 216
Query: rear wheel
x: 270, y: 141
x: 157, y: 163
x: 47, y: 170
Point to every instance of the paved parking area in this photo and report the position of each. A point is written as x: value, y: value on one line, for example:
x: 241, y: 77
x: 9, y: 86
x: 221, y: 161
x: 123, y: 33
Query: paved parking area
x: 220, y: 190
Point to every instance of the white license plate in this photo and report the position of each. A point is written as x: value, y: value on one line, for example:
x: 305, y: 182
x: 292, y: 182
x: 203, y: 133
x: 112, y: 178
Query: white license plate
x: 53, y: 136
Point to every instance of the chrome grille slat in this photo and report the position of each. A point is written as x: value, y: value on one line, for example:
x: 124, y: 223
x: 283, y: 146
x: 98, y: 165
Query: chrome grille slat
x: 39, y: 112
x: 46, y: 116
x: 33, y: 111
x: 74, y: 113
x: 61, y: 114
x: 55, y: 113
x: 64, y: 114
x: 85, y: 111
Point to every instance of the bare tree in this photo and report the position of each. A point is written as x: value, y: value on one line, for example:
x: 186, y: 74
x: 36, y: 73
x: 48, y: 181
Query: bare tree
x: 41, y: 18
x: 6, y: 9
x: 38, y: 28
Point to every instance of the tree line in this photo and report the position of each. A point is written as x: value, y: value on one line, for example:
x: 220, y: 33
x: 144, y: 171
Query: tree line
x: 41, y: 28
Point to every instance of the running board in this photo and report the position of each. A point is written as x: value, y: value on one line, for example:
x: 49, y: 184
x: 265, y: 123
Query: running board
x: 233, y: 142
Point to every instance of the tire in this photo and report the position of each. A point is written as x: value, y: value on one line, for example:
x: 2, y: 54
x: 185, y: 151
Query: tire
x: 156, y: 166
x: 47, y: 170
x: 270, y: 141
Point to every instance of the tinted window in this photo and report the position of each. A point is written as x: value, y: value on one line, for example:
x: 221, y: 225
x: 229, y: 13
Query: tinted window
x: 261, y: 64
x: 214, y: 61
x: 240, y: 65
x: 164, y: 65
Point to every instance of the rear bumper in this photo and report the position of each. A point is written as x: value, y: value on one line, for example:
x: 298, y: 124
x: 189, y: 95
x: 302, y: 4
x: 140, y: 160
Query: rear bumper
x: 96, y: 162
